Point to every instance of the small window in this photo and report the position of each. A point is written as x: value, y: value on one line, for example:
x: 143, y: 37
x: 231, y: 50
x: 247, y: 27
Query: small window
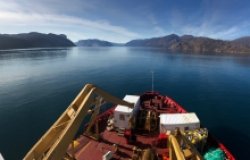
x: 122, y: 117
x: 186, y: 128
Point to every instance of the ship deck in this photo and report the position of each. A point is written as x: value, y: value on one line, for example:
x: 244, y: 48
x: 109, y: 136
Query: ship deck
x: 115, y: 142
x: 89, y: 149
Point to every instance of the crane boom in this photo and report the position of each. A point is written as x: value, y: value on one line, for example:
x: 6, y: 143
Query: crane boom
x: 56, y: 140
x: 176, y: 143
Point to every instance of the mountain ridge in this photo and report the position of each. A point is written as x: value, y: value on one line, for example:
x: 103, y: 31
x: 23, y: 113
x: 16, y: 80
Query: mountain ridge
x: 172, y: 42
x: 33, y: 40
x: 93, y: 43
x: 190, y: 43
x: 96, y: 43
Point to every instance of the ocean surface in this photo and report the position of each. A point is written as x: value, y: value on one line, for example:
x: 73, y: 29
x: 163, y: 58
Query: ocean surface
x: 37, y: 85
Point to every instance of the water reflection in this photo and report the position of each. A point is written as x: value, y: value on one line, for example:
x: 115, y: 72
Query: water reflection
x: 35, y: 54
x: 244, y: 61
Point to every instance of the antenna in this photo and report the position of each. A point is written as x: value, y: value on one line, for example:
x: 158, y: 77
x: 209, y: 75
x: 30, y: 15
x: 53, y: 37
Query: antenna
x: 152, y: 74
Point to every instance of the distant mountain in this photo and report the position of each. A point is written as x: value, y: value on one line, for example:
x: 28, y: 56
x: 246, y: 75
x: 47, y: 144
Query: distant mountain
x: 243, y: 41
x: 118, y: 44
x: 32, y: 40
x: 94, y: 43
x: 189, y: 43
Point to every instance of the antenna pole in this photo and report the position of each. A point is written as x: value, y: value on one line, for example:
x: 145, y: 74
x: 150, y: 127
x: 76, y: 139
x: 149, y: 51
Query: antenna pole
x: 152, y: 81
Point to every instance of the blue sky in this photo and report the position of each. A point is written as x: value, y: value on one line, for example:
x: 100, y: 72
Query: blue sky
x: 123, y: 20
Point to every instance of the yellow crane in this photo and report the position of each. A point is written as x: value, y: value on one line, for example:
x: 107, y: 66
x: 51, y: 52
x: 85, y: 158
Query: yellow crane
x: 55, y: 141
x: 180, y: 148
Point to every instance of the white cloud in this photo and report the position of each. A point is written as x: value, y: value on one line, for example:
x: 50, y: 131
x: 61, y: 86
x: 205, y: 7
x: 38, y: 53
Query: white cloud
x: 212, y: 30
x: 12, y: 14
x: 75, y: 19
x: 159, y: 31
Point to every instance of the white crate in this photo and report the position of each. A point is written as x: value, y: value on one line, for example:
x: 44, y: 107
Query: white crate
x: 178, y: 120
x: 122, y: 114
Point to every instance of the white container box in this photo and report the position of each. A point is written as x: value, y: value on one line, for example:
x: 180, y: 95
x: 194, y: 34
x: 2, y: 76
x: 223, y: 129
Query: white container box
x: 183, y: 121
x: 122, y: 114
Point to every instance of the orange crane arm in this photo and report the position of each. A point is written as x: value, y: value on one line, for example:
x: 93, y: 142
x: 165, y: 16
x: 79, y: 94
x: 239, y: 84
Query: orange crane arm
x: 55, y: 141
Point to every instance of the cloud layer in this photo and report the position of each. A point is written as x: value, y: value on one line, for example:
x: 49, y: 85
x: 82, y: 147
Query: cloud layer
x: 15, y: 19
x: 126, y: 20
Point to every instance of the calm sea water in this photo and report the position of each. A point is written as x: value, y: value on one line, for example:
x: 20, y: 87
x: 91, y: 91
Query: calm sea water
x: 37, y: 85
